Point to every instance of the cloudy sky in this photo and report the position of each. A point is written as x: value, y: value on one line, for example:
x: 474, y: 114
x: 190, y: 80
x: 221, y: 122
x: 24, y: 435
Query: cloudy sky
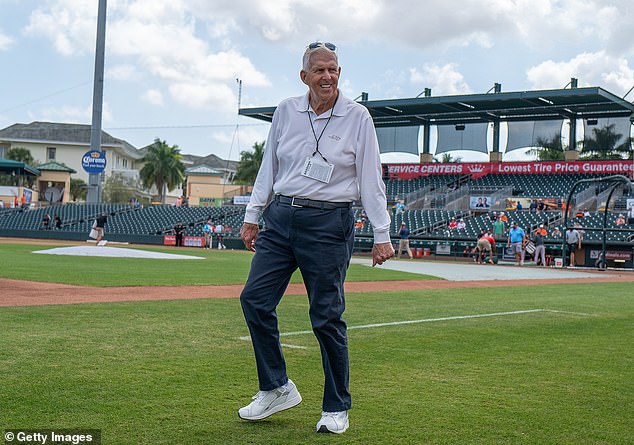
x: 172, y: 65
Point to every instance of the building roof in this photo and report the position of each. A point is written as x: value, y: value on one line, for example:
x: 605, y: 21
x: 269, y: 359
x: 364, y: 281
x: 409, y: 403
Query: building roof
x: 579, y: 103
x: 61, y: 133
x: 211, y: 161
x: 56, y: 167
x: 203, y: 170
x: 20, y: 168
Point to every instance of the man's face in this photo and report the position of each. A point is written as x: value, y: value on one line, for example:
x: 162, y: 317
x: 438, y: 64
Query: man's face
x: 322, y: 77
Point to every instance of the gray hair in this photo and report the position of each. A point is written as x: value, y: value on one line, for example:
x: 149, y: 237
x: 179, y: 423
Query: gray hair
x: 309, y: 52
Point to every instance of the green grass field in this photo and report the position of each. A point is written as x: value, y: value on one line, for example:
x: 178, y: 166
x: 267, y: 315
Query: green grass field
x: 175, y: 372
x: 219, y: 267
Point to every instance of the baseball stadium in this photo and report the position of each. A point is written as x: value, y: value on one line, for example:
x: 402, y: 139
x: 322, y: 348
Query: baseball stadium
x: 145, y: 342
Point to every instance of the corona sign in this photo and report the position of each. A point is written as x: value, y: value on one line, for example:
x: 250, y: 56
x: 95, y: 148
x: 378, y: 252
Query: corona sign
x: 94, y: 162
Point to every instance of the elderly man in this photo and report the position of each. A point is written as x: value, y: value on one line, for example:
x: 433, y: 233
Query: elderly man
x: 321, y: 155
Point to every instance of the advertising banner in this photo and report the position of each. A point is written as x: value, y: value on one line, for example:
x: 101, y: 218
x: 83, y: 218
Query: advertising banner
x: 94, y: 162
x: 480, y: 202
x: 193, y: 241
x: 479, y: 169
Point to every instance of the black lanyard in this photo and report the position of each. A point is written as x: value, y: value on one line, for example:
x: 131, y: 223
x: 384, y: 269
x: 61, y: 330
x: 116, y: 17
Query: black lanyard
x: 317, y: 139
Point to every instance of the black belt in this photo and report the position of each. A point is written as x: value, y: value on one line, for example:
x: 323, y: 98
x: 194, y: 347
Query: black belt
x: 312, y: 203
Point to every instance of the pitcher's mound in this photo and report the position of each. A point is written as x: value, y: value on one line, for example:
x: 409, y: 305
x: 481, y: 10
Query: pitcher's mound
x: 115, y: 252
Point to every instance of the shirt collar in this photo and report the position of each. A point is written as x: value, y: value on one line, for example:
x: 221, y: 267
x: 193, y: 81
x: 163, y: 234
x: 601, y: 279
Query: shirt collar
x: 339, y: 109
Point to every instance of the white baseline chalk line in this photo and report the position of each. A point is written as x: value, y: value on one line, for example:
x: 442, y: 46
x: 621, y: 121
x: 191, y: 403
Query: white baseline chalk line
x: 428, y: 320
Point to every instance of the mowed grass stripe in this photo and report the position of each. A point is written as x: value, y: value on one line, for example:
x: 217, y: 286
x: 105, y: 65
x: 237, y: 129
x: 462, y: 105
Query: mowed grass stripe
x: 174, y: 372
x: 218, y: 268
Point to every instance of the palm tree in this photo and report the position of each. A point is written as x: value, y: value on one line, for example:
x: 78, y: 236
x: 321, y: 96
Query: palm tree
x: 249, y: 164
x: 162, y: 168
x: 548, y: 149
x: 78, y: 188
x: 20, y: 154
x: 447, y: 158
x: 602, y: 144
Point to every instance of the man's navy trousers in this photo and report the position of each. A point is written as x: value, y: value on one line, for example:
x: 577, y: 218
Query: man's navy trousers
x: 320, y: 243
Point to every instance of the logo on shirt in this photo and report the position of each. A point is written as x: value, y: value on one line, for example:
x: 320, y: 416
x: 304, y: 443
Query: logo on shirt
x: 334, y: 137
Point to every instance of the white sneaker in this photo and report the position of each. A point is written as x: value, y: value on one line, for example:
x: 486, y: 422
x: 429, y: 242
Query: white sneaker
x: 336, y: 422
x: 266, y: 403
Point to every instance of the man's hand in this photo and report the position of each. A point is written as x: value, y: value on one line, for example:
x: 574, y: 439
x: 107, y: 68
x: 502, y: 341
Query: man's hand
x: 249, y: 233
x: 381, y: 253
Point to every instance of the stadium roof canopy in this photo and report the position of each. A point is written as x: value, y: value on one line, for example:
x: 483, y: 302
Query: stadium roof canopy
x: 577, y: 103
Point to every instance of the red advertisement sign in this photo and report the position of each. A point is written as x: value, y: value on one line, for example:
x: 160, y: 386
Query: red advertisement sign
x: 169, y: 240
x: 479, y: 169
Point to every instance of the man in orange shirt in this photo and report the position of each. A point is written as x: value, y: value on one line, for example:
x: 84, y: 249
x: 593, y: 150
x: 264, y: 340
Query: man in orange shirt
x: 541, y: 230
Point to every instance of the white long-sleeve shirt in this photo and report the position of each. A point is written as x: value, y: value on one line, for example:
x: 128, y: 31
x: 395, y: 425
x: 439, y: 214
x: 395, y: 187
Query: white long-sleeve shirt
x: 349, y: 142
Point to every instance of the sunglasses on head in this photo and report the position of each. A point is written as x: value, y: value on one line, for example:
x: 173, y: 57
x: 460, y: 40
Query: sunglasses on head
x: 326, y: 45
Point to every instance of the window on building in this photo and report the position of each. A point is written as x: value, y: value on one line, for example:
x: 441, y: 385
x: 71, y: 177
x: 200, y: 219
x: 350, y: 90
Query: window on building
x: 3, y: 150
x: 50, y: 153
x: 125, y: 163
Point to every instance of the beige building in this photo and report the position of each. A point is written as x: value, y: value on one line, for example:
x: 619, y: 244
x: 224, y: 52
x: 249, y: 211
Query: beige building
x: 54, y: 182
x: 207, y: 186
x: 59, y: 144
x: 67, y: 143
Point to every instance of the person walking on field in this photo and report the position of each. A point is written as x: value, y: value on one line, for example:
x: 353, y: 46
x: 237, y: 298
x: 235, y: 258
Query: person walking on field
x: 321, y: 155
x: 403, y: 242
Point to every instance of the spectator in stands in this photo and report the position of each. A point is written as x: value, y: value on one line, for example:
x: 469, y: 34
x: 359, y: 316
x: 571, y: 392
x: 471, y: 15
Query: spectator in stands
x: 518, y: 206
x: 579, y: 228
x: 540, y: 248
x: 403, y: 242
x: 573, y: 242
x: 58, y: 222
x: 461, y: 224
x: 314, y: 232
x: 24, y: 203
x: 453, y: 224
x: 179, y: 230
x: 485, y: 249
x: 100, y: 227
x: 504, y: 218
x: 499, y: 228
x: 16, y: 202
x: 179, y: 201
x: 556, y: 233
x: 580, y: 214
x: 620, y: 220
x: 541, y: 207
x: 533, y: 207
x: 1, y: 204
x: 400, y: 206
x: 516, y: 241
x: 208, y: 233
x: 489, y: 237
x: 46, y: 222
x: 219, y: 231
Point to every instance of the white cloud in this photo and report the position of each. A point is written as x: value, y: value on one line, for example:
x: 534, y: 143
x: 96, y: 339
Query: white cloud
x: 5, y: 41
x: 67, y: 24
x: 122, y: 72
x: 591, y: 69
x: 69, y: 114
x: 158, y: 37
x: 443, y: 80
x: 153, y: 97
